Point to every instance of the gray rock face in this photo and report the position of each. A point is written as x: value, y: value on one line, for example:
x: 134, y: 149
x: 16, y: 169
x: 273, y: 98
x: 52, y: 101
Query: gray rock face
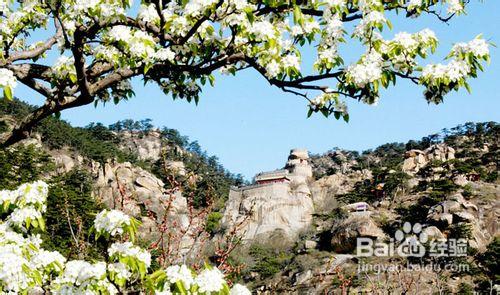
x: 121, y: 185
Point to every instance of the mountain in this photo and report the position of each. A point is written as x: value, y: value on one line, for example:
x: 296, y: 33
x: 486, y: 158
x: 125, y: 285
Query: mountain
x: 294, y: 229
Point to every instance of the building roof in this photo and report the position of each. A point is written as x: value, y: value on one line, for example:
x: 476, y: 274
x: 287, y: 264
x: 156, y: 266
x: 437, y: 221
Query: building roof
x: 276, y: 174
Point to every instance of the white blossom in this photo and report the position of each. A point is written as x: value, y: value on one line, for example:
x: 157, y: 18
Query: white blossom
x: 112, y: 222
x: 12, y: 276
x: 8, y: 196
x: 406, y: 40
x: 64, y: 66
x: 7, y: 79
x: 127, y: 249
x: 413, y: 4
x: 210, y: 280
x: 238, y: 289
x: 120, y: 33
x: 455, y: 6
x: 272, y: 69
x: 263, y: 30
x: 367, y: 71
x: 148, y: 13
x: 181, y: 273
x: 20, y: 216
x: 478, y: 47
x: 291, y: 61
x: 44, y: 258
x: 336, y: 3
x: 454, y: 71
x: 120, y: 270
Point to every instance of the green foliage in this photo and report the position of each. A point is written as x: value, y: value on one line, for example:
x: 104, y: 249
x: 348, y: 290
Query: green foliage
x: 460, y: 231
x: 413, y: 213
x: 71, y: 210
x: 94, y: 141
x: 338, y: 214
x: 212, y: 179
x: 490, y: 260
x: 465, y: 289
x: 212, y: 225
x: 143, y: 126
x: 467, y: 191
x: 439, y: 190
x: 268, y: 261
x: 23, y: 164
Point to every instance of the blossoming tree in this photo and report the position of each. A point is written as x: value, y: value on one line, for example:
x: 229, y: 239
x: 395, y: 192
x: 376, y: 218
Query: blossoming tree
x: 178, y: 45
x: 27, y: 268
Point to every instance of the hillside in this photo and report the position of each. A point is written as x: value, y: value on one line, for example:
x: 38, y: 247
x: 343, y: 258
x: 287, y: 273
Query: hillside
x: 293, y: 231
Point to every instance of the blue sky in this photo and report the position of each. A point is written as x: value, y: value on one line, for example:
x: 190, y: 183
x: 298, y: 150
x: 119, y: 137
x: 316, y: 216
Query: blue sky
x: 251, y: 126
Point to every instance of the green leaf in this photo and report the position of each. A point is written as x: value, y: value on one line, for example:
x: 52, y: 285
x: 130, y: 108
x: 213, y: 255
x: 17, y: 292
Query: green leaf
x: 467, y: 86
x: 7, y: 92
x: 297, y: 15
x: 250, y: 15
x: 309, y: 112
x: 73, y: 78
x: 180, y: 287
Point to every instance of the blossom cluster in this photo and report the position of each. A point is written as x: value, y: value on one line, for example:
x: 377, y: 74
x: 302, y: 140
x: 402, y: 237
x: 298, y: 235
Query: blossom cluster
x: 179, y: 44
x: 465, y: 61
x: 25, y: 267
x: 8, y: 82
x: 368, y: 70
x: 25, y: 204
x: 112, y: 222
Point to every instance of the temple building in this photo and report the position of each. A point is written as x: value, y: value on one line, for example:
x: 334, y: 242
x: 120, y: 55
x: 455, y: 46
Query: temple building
x: 275, y: 176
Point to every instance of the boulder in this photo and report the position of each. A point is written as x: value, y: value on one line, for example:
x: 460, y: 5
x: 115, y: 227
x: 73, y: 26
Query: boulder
x: 303, y: 277
x: 147, y: 146
x: 433, y: 232
x: 451, y: 206
x: 310, y: 244
x: 416, y: 159
x: 464, y: 216
x: 460, y: 180
x: 446, y: 217
x: 344, y: 233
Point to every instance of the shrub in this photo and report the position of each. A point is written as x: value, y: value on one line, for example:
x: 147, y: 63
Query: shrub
x: 465, y: 289
x: 71, y: 210
x: 23, y: 164
x: 212, y: 225
x: 268, y: 261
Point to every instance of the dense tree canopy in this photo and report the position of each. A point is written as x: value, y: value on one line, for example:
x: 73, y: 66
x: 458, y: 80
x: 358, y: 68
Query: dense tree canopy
x: 180, y: 44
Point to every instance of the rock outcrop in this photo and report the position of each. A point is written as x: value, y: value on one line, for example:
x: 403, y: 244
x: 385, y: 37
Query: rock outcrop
x: 147, y: 146
x: 280, y: 202
x: 358, y: 224
x: 456, y: 210
x: 417, y: 159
